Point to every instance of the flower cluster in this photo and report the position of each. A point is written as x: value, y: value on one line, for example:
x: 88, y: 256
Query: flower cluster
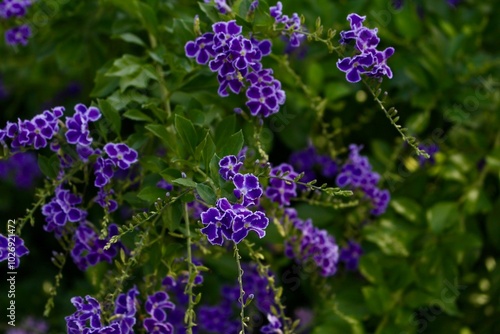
x: 232, y: 222
x: 369, y: 61
x: 89, y: 249
x: 12, y: 245
x: 312, y: 244
x: 237, y: 61
x: 16, y: 8
x: 87, y: 317
x: 281, y: 186
x: 357, y: 173
x: 21, y: 168
x: 291, y: 24
x: 350, y: 255
x: 309, y: 160
x: 35, y: 132
x: 62, y: 209
x: 221, y: 318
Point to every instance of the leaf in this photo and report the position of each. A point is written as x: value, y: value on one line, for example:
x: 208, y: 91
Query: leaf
x: 130, y: 38
x: 206, y: 193
x: 159, y: 131
x: 224, y: 129
x: 112, y: 115
x: 186, y: 132
x: 233, y: 145
x: 151, y: 194
x: 378, y: 299
x: 443, y: 215
x: 137, y: 115
x: 49, y: 166
x: 407, y: 208
x: 370, y: 268
x: 171, y: 174
x: 184, y: 182
x: 210, y: 11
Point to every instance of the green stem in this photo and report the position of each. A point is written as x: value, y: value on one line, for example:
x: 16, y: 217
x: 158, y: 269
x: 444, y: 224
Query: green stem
x: 189, y: 287
x: 242, y: 292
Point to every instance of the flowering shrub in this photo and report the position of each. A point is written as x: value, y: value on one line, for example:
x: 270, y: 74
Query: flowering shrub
x: 240, y: 167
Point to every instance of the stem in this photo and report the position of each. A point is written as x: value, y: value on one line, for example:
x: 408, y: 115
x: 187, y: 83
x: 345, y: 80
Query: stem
x: 189, y: 287
x: 242, y: 292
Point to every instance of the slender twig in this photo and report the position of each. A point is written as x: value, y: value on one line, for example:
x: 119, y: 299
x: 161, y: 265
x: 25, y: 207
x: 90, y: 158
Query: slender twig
x: 242, y: 292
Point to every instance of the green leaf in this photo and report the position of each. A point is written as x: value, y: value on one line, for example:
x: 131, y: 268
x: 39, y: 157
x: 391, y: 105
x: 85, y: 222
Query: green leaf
x: 378, y: 299
x: 442, y: 216
x: 184, y: 182
x: 210, y: 11
x: 130, y: 38
x: 171, y: 174
x: 137, y: 115
x: 159, y: 131
x: 476, y: 201
x: 370, y: 268
x: 186, y: 132
x: 206, y: 193
x: 151, y: 193
x: 390, y: 237
x: 49, y: 166
x: 233, y: 145
x: 224, y: 129
x: 112, y: 115
x: 407, y: 208
x: 104, y: 84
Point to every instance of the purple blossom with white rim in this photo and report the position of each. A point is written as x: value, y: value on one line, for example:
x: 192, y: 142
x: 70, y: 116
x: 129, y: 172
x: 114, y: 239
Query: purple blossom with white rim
x: 125, y: 310
x: 355, y: 66
x: 218, y: 222
x: 156, y: 305
x: 431, y: 149
x: 85, y: 311
x: 201, y: 48
x: 103, y: 171
x: 281, y: 187
x: 12, y: 244
x: 246, y: 221
x: 89, y: 250
x: 121, y: 155
x: 274, y: 326
x: 61, y: 209
x: 350, y: 255
x: 381, y: 68
x: 18, y: 35
x: 13, y: 8
x: 264, y: 100
x: 248, y: 189
x: 229, y: 166
x: 78, y: 125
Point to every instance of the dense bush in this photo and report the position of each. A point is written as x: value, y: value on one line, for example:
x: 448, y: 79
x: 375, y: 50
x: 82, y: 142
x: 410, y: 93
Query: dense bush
x: 250, y: 166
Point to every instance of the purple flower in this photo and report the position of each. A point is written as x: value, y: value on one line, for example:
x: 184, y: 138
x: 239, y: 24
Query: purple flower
x: 89, y: 311
x: 121, y: 155
x: 61, y: 209
x: 125, y: 310
x: 292, y: 24
x: 355, y: 66
x: 248, y: 189
x: 218, y: 222
x: 281, y: 185
x: 30, y: 325
x: 103, y: 170
x: 156, y: 305
x: 274, y: 326
x: 11, y: 249
x: 369, y: 60
x: 246, y: 221
x: 221, y: 5
x: 164, y: 185
x: 22, y: 168
x: 89, y: 249
x: 201, y: 48
x: 18, y: 35
x: 264, y: 100
x: 78, y: 125
x: 229, y: 166
x: 312, y: 244
x: 431, y: 149
x: 12, y: 8
x: 104, y: 200
x: 350, y: 255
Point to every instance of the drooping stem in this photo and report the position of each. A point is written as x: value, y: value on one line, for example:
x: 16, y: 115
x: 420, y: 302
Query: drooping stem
x: 242, y: 292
